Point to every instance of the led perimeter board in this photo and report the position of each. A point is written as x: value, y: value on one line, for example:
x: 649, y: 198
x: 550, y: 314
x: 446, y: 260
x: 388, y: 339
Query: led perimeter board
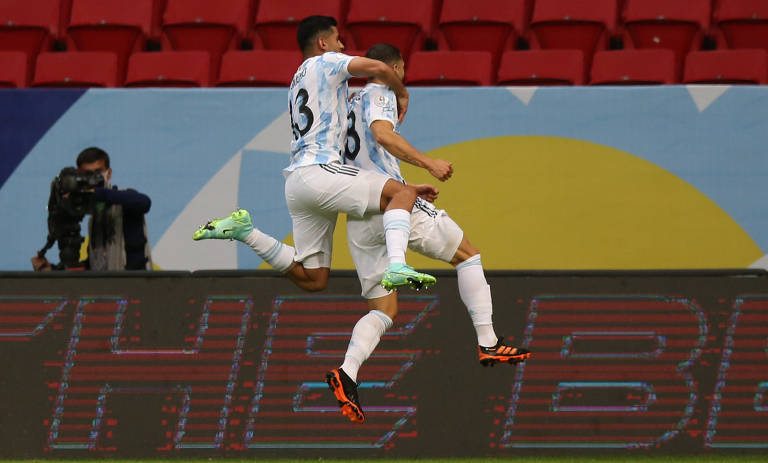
x: 233, y: 364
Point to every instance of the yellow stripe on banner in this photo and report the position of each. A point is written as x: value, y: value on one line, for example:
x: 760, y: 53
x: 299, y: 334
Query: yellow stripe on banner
x: 537, y: 202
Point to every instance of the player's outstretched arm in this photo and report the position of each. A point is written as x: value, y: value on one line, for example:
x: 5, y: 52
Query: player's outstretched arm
x: 366, y: 67
x: 385, y: 135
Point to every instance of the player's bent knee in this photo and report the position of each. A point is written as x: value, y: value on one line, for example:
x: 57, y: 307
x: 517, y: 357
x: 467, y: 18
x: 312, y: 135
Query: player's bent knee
x: 311, y: 280
x: 464, y: 252
x: 393, y: 188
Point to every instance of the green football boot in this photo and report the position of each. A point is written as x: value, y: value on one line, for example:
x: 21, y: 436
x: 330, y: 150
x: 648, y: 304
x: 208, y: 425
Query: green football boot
x: 234, y: 227
x: 398, y: 275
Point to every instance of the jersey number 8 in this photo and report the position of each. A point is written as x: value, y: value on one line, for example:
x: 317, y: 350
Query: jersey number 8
x: 352, y: 146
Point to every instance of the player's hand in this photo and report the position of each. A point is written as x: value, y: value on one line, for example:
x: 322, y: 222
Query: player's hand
x: 440, y: 169
x: 402, y: 106
x: 426, y: 192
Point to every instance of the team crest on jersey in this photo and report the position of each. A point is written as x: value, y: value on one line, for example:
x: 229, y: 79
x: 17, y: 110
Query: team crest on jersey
x: 381, y: 101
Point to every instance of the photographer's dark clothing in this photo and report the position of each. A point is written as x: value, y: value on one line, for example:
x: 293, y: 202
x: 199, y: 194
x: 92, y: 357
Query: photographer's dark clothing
x: 118, y: 230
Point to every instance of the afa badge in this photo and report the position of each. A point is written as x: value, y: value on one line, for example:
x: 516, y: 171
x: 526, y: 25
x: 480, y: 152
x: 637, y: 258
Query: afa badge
x: 381, y: 101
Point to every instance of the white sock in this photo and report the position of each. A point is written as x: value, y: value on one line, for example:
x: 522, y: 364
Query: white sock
x: 475, y: 293
x: 365, y: 337
x: 397, y: 229
x: 275, y: 253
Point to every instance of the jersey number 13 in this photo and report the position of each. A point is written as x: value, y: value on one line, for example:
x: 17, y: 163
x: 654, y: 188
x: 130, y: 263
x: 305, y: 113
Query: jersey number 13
x: 302, y: 98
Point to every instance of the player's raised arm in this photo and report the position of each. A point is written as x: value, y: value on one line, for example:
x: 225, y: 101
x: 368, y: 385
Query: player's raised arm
x: 395, y: 144
x: 366, y: 67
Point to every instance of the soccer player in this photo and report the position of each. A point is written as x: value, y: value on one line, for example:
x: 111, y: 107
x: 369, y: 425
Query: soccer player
x: 318, y: 185
x: 374, y: 144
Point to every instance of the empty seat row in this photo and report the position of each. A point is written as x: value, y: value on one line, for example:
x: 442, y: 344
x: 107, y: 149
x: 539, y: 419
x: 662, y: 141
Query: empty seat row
x: 568, y: 67
x: 149, y: 69
x: 489, y: 25
x: 454, y: 68
x: 217, y: 26
x: 495, y: 26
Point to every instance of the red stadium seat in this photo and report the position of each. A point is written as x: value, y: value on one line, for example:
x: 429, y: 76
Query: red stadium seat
x: 259, y: 68
x: 585, y: 25
x: 449, y: 68
x: 214, y: 26
x: 29, y: 26
x: 482, y: 26
x: 726, y: 67
x: 110, y: 25
x: 76, y: 69
x: 542, y: 67
x: 51, y: 15
x: 633, y: 67
x: 277, y: 20
x: 13, y: 69
x: 403, y: 23
x: 168, y: 69
x: 743, y: 23
x: 679, y: 26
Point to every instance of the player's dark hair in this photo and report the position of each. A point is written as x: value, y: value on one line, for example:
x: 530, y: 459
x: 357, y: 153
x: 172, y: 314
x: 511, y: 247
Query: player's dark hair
x: 92, y: 154
x: 384, y: 52
x: 310, y: 28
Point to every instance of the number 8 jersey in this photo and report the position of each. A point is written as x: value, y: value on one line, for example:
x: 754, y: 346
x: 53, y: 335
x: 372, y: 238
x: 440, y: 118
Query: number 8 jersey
x: 317, y: 102
x: 374, y: 102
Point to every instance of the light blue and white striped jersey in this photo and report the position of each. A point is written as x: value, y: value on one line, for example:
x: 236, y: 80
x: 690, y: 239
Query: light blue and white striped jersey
x: 317, y: 101
x: 374, y: 102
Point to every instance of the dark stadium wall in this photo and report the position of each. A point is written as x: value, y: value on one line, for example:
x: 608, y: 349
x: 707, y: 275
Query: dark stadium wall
x: 232, y: 364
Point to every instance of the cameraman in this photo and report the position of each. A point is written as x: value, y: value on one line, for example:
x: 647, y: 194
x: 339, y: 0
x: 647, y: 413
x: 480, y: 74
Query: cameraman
x: 116, y: 228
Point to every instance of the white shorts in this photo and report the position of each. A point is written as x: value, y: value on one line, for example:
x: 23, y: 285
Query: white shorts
x: 433, y: 234
x: 316, y: 194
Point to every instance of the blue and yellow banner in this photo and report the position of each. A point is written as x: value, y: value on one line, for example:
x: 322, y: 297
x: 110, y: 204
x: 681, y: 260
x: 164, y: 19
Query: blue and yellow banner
x: 545, y: 178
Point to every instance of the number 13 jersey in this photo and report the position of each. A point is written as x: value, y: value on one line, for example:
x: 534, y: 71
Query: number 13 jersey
x: 317, y: 102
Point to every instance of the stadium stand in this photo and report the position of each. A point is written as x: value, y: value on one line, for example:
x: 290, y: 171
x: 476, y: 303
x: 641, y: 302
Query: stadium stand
x: 679, y: 26
x: 50, y: 15
x: 76, y: 69
x: 207, y: 25
x: 110, y: 25
x: 405, y: 24
x: 542, y: 67
x: 29, y: 26
x: 491, y: 26
x: 258, y: 68
x: 742, y: 23
x: 169, y: 69
x: 633, y: 67
x: 586, y: 25
x: 598, y: 28
x: 726, y: 67
x: 277, y: 20
x: 13, y: 69
x: 449, y: 68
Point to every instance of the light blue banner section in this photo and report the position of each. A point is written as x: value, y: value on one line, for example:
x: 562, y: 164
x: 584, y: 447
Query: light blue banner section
x: 170, y: 143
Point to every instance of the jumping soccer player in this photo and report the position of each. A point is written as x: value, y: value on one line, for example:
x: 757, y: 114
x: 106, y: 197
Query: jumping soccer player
x: 318, y: 185
x: 374, y: 144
